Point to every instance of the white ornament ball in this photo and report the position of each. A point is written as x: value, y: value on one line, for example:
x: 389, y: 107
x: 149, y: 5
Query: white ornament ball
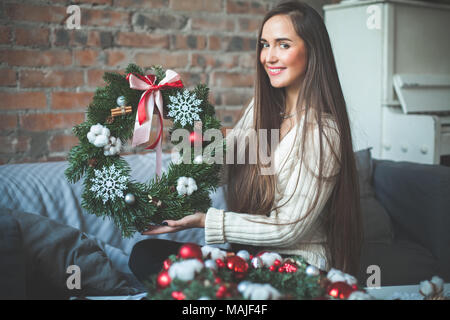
x: 211, y: 264
x: 129, y: 198
x: 312, y: 271
x: 243, y: 254
x: 257, y: 263
x: 121, y: 101
x: 204, y: 298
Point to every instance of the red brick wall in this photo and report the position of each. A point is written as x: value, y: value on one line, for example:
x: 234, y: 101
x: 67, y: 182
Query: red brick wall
x: 49, y: 73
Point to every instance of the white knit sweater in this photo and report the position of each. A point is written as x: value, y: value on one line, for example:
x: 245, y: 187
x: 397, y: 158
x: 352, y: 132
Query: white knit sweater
x: 306, y: 237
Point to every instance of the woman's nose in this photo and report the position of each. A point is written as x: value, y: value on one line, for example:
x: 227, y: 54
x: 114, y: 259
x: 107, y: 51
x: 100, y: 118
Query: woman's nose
x: 271, y: 56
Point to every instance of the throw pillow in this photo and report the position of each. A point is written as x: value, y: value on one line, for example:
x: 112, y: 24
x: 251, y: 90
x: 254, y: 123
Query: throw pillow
x: 51, y: 247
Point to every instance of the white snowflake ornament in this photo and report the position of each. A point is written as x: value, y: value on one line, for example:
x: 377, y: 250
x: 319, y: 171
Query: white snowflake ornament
x: 98, y: 135
x: 186, y: 185
x: 109, y: 183
x: 184, y: 108
x: 113, y: 147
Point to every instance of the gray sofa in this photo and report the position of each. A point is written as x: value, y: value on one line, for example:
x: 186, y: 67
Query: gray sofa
x: 43, y: 229
x: 417, y: 199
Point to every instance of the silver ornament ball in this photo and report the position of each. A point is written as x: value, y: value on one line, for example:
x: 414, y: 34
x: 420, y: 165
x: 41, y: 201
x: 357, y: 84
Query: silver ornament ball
x: 243, y: 254
x: 129, y: 198
x: 312, y: 271
x: 257, y: 263
x: 120, y: 101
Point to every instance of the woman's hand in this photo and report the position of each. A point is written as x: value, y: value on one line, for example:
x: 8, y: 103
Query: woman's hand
x: 196, y: 220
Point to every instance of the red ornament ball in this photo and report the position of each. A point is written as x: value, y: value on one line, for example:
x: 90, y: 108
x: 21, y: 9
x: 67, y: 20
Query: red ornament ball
x: 178, y: 295
x: 166, y: 264
x: 277, y: 263
x: 223, y: 292
x: 163, y: 280
x: 272, y: 268
x: 190, y: 251
x: 220, y: 263
x: 340, y: 290
x: 238, y: 265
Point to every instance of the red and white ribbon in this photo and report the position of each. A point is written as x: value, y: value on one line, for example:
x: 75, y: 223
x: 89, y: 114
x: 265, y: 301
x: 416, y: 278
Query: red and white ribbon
x: 151, y: 97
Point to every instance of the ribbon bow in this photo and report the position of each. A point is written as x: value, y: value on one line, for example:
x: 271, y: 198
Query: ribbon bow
x: 146, y: 106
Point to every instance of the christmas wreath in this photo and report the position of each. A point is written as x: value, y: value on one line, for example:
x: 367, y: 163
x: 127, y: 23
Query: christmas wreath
x: 129, y: 101
x: 208, y: 273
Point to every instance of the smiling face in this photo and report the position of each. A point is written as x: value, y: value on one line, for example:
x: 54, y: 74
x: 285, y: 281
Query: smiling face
x: 283, y: 53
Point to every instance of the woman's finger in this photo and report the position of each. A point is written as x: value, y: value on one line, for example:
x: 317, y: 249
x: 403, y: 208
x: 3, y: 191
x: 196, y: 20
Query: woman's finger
x: 159, y: 230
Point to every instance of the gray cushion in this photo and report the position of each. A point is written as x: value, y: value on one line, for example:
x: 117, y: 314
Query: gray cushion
x: 51, y: 247
x: 377, y: 224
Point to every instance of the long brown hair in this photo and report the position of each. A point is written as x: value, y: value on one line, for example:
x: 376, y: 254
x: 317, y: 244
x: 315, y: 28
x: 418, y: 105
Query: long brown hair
x: 322, y: 95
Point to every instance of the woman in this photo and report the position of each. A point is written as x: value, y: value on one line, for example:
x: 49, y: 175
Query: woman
x: 310, y: 205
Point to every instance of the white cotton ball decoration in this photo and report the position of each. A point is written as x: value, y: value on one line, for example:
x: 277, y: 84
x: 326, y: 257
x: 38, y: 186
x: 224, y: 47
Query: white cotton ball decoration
x: 185, y: 270
x: 268, y: 258
x: 257, y: 291
x: 360, y: 295
x: 216, y: 253
x: 439, y: 283
x: 242, y: 286
x: 113, y: 147
x: 186, y: 185
x: 98, y: 135
x: 213, y: 253
x: 426, y: 288
x: 335, y: 275
x: 206, y: 250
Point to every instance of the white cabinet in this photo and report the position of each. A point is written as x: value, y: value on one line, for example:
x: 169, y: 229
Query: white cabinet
x: 375, y: 42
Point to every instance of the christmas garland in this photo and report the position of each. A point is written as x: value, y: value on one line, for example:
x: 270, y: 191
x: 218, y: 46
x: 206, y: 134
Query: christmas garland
x: 208, y: 273
x: 108, y: 189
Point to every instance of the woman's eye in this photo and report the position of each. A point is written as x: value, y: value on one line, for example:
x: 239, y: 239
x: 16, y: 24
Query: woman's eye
x: 284, y: 46
x: 264, y: 45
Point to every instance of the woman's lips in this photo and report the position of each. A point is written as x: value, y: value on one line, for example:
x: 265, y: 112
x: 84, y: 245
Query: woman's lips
x: 275, y: 71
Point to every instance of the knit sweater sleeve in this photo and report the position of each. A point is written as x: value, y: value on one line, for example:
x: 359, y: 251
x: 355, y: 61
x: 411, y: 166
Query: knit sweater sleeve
x: 276, y: 229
